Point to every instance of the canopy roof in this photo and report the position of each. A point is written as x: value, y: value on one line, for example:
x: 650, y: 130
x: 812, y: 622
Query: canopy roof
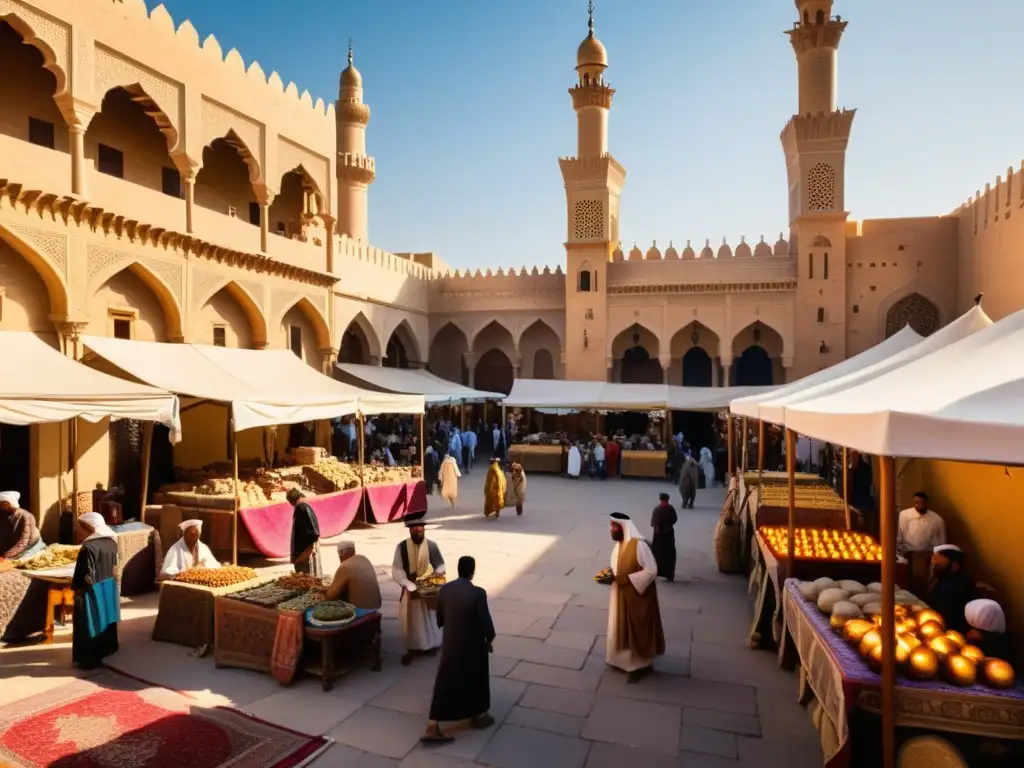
x: 602, y: 396
x: 41, y: 385
x: 964, y: 402
x: 412, y: 381
x: 264, y: 387
x: 768, y: 407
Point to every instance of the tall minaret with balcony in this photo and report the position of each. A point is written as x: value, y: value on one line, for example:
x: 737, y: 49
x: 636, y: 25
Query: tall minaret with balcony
x: 593, y: 182
x: 815, y: 141
x: 356, y: 169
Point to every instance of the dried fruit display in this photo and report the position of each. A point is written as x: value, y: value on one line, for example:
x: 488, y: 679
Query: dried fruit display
x: 216, y: 577
x: 807, y: 497
x: 300, y: 581
x: 335, y: 610
x: 54, y: 556
x: 430, y: 585
x: 302, y: 602
x: 268, y: 595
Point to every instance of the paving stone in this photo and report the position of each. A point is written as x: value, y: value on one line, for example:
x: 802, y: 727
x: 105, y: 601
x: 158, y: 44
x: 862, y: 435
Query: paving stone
x: 567, y: 725
x: 382, y: 732
x: 560, y: 700
x: 617, y: 756
x: 579, y: 641
x: 632, y: 723
x: 576, y: 618
x: 339, y: 756
x: 745, y: 725
x: 761, y: 753
x: 510, y: 623
x: 426, y: 758
x: 554, y: 676
x: 413, y: 698
x: 539, y: 652
x: 469, y: 742
x: 526, y: 608
x: 672, y: 665
x: 301, y: 710
x: 708, y: 742
x: 781, y: 721
x: 695, y: 760
x: 375, y: 761
x: 501, y: 665
x: 517, y: 747
x: 540, y: 629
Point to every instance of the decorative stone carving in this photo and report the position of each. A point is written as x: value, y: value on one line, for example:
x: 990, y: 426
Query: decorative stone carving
x: 290, y: 155
x: 361, y: 169
x: 588, y: 220
x: 766, y: 286
x: 72, y: 331
x: 113, y: 69
x: 913, y: 310
x: 256, y: 293
x: 353, y: 112
x: 591, y: 96
x: 202, y: 283
x: 52, y: 245
x: 218, y: 120
x: 168, y: 271
x: 54, y: 34
x: 283, y: 300
x: 99, y: 259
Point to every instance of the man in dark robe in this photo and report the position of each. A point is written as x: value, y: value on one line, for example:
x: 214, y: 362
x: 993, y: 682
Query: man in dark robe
x: 431, y: 469
x: 305, y: 536
x: 951, y: 589
x: 97, y: 605
x: 689, y: 473
x: 663, y: 521
x: 462, y: 689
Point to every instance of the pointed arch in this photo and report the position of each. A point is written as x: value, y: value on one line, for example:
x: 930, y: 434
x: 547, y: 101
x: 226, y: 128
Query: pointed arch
x: 138, y: 94
x: 56, y: 288
x: 541, y: 349
x: 636, y: 335
x: 316, y: 319
x: 404, y: 334
x: 233, y: 141
x: 760, y: 334
x: 492, y: 326
x: 174, y: 327
x: 695, y: 334
x: 359, y: 333
x: 449, y: 326
x: 635, y: 353
x: 914, y: 310
x: 253, y: 313
x: 448, y: 349
x: 19, y: 22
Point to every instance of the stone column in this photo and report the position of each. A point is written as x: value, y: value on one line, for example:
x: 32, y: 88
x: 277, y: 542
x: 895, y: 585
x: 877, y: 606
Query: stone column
x: 190, y: 201
x: 76, y: 141
x: 470, y: 361
x: 609, y: 364
x: 264, y: 226
x: 714, y: 372
x: 328, y: 356
x: 787, y: 364
x: 726, y: 371
x: 666, y: 368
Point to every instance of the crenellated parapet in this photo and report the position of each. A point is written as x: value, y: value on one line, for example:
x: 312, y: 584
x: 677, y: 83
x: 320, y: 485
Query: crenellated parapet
x: 361, y: 169
x: 996, y: 203
x: 811, y: 36
x: 724, y: 252
x: 833, y: 127
x: 599, y: 170
x: 592, y: 94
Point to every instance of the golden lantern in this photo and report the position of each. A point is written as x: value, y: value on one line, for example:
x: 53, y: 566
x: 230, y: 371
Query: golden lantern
x: 960, y: 670
x: 870, y: 639
x: 927, y: 614
x: 924, y: 664
x: 974, y: 653
x: 943, y: 647
x: 959, y: 640
x: 855, y: 629
x: 929, y: 629
x: 999, y: 674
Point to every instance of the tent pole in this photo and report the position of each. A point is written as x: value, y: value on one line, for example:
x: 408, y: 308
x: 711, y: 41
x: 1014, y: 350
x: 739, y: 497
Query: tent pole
x: 462, y: 416
x: 73, y: 439
x: 888, y: 541
x: 760, y: 446
x: 791, y: 483
x: 147, y: 453
x: 423, y: 445
x: 362, y: 483
x: 730, y: 438
x: 746, y: 444
x: 238, y: 496
x: 846, y: 486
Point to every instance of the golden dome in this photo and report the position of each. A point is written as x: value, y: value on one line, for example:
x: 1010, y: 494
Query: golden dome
x: 591, y: 52
x: 350, y: 76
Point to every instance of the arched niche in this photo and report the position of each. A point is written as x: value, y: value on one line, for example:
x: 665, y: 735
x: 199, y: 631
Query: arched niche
x: 543, y: 364
x: 15, y: 255
x: 24, y: 297
x: 540, y: 343
x: 697, y: 368
x: 447, y: 354
x: 304, y: 331
x: 295, y: 211
x: 751, y: 347
x: 402, y: 349
x: 225, y: 183
x: 28, y: 87
x: 135, y: 303
x: 231, y: 318
x: 359, y: 343
x: 494, y: 372
x: 635, y: 354
x: 913, y: 310
x: 753, y: 368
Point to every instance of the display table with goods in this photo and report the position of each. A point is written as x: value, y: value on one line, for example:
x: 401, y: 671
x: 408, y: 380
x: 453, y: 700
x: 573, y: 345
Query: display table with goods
x: 550, y: 459
x: 336, y: 634
x: 831, y: 553
x: 28, y: 589
x: 942, y: 685
x: 644, y: 464
x: 185, y: 612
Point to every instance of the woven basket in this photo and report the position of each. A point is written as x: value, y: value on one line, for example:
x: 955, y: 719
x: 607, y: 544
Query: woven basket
x: 727, y: 539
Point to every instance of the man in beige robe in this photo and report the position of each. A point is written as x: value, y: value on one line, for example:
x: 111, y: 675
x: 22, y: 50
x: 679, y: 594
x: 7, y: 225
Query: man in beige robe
x: 635, y: 635
x: 415, y: 559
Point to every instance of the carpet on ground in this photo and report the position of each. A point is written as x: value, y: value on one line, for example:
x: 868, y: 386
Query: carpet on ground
x: 112, y: 721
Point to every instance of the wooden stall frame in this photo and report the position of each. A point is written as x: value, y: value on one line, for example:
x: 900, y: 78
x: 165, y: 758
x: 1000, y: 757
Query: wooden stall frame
x: 744, y: 450
x: 361, y: 440
x: 846, y: 486
x: 147, y: 452
x: 238, y: 498
x: 887, y: 538
x: 729, y: 439
x: 423, y: 445
x: 791, y: 483
x: 760, y: 447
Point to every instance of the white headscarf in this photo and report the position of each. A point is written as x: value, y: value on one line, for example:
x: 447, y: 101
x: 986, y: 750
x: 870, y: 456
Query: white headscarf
x: 100, y: 528
x: 985, y: 615
x: 629, y: 531
x: 11, y: 497
x: 184, y: 525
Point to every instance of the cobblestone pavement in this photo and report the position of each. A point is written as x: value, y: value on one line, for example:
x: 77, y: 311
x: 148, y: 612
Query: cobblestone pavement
x: 713, y: 703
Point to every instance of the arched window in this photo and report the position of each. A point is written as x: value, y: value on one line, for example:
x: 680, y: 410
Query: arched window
x: 584, y: 281
x: 820, y: 18
x: 810, y: 266
x: 824, y: 268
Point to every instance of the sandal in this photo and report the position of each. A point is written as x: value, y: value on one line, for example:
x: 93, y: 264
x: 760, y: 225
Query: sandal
x: 436, y: 737
x: 482, y: 721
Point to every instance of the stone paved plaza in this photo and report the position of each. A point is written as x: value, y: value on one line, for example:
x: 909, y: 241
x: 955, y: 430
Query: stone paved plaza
x: 712, y: 704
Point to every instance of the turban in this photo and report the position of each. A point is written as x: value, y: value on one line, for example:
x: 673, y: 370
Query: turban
x: 11, y: 497
x: 985, y: 615
x: 186, y: 524
x: 98, y: 524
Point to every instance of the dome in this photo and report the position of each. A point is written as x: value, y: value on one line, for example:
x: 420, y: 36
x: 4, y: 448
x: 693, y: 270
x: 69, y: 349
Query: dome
x: 781, y: 247
x: 725, y: 252
x: 617, y: 254
x: 688, y: 252
x: 707, y: 253
x: 762, y: 249
x: 591, y: 53
x: 743, y: 250
x: 635, y: 254
x: 671, y: 253
x: 653, y: 254
x: 350, y: 76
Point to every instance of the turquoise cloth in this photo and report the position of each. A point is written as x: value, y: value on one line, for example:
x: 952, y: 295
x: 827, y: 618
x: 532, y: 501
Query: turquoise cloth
x: 102, y: 607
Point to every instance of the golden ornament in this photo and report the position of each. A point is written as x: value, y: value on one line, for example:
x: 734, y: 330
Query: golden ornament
x: 929, y: 629
x: 943, y: 647
x: 927, y: 614
x: 959, y: 640
x: 908, y: 642
x: 855, y: 629
x: 874, y: 657
x: 900, y: 612
x: 974, y: 653
x: 924, y: 664
x: 999, y: 674
x: 906, y: 626
x: 870, y: 639
x: 838, y: 621
x: 960, y: 670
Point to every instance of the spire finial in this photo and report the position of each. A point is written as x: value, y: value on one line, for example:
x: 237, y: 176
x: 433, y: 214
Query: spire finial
x: 350, y: 56
x: 590, y: 16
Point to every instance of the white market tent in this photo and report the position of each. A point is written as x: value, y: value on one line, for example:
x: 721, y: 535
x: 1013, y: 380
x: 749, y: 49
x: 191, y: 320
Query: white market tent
x: 601, y: 396
x: 775, y: 409
x: 768, y: 407
x: 263, y: 387
x: 411, y: 381
x: 40, y: 385
x: 962, y: 402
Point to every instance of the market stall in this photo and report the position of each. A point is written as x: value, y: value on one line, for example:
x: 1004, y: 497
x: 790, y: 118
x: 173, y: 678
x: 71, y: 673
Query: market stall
x: 537, y: 457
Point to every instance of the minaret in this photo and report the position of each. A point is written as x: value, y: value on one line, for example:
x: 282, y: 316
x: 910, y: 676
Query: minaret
x: 356, y: 169
x: 593, y: 182
x: 815, y: 141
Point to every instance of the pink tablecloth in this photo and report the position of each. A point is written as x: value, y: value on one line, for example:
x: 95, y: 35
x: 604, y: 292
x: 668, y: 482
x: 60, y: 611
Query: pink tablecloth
x: 389, y: 503
x: 271, y: 527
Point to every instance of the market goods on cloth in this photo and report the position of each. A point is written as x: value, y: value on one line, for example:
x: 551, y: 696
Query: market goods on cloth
x: 110, y: 720
x: 271, y: 526
x: 140, y: 557
x: 391, y: 502
x: 727, y: 538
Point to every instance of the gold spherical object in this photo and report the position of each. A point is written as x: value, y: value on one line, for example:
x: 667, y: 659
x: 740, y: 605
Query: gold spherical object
x: 906, y: 626
x: 957, y: 638
x: 924, y: 664
x: 874, y: 657
x: 870, y: 639
x: 838, y: 621
x: 943, y: 647
x: 900, y: 612
x: 974, y: 653
x: 960, y: 670
x: 855, y: 629
x: 929, y: 629
x: 999, y: 674
x: 926, y: 615
x: 908, y: 642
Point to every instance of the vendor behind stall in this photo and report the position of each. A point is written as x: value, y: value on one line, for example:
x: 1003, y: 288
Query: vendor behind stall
x: 305, y: 554
x: 188, y: 552
x: 950, y: 590
x: 19, y: 534
x: 355, y: 581
x: 987, y: 628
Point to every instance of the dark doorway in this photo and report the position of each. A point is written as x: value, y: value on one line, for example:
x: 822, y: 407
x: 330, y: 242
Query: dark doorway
x: 352, y: 349
x: 698, y: 429
x: 754, y: 368
x: 126, y: 464
x: 697, y: 368
x: 494, y: 372
x: 396, y: 354
x: 15, y: 462
x: 161, y: 459
x: 638, y: 367
x: 543, y: 365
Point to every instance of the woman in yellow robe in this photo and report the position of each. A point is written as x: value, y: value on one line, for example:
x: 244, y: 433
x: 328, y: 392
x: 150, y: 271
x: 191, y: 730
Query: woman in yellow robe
x: 494, y: 489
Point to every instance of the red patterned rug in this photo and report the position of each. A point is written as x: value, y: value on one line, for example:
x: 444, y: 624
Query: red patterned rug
x: 109, y: 721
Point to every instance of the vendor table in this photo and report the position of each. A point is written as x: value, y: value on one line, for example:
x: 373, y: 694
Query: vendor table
x: 838, y: 678
x: 139, y: 556
x: 244, y: 634
x: 185, y: 613
x: 644, y: 463
x: 22, y: 605
x: 539, y: 458
x: 350, y: 639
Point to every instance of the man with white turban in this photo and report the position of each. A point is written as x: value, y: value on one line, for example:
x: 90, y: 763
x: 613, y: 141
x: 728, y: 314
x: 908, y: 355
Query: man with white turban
x: 635, y: 635
x: 987, y: 624
x: 188, y: 551
x: 19, y: 534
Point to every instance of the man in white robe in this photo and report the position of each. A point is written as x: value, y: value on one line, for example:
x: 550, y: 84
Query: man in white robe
x: 188, y: 552
x: 635, y: 635
x: 575, y: 462
x: 415, y: 559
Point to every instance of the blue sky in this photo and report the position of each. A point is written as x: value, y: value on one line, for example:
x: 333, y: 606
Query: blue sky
x: 470, y: 110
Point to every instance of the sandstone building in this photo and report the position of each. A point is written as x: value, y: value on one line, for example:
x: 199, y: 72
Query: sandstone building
x: 156, y: 187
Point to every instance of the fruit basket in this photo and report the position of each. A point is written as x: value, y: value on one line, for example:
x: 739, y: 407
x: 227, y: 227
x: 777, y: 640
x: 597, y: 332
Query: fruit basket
x: 604, y: 576
x: 334, y: 613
